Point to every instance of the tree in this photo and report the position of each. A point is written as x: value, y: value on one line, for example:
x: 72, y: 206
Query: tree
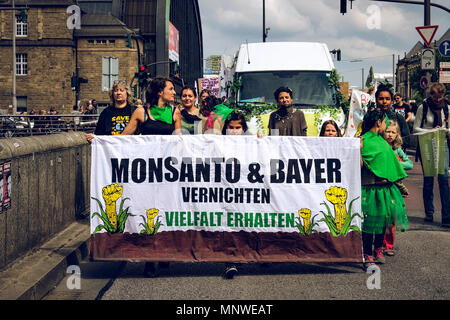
x: 370, y: 78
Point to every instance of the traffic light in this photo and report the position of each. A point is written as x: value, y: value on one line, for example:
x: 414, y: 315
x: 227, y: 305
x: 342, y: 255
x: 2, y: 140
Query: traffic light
x: 129, y: 43
x: 343, y: 6
x: 75, y: 82
x: 337, y: 52
x: 142, y: 76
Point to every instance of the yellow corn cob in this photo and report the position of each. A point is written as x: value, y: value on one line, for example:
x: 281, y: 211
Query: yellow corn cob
x: 306, y: 215
x: 110, y: 194
x: 151, y: 214
x: 338, y: 196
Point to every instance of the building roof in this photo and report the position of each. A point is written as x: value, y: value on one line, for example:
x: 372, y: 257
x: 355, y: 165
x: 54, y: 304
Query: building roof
x: 95, y: 25
x: 445, y: 36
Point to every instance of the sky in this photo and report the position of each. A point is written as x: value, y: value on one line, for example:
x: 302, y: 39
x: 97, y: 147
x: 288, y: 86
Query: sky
x: 372, y: 31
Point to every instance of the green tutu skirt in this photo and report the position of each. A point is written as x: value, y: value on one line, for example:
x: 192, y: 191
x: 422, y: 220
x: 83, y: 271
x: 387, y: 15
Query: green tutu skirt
x: 382, y: 205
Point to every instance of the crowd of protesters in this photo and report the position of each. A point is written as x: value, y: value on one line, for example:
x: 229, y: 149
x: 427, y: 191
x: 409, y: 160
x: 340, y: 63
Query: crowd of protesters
x: 386, y: 127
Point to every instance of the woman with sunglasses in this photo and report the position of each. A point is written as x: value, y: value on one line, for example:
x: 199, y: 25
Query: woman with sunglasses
x: 114, y: 119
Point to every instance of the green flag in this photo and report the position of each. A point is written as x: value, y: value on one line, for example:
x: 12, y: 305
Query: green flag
x: 432, y: 150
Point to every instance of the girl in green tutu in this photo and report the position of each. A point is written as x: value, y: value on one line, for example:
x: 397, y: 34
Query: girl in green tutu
x: 382, y: 203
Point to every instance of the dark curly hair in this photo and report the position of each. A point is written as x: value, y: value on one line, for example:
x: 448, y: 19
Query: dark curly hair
x: 372, y: 115
x: 156, y: 86
x: 235, y: 115
x: 208, y: 104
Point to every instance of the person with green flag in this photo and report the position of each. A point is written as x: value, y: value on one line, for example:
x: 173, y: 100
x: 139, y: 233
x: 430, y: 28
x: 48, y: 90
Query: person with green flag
x: 432, y: 118
x: 158, y: 116
x: 381, y: 202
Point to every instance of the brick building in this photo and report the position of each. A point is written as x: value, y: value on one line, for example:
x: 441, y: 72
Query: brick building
x: 115, y: 37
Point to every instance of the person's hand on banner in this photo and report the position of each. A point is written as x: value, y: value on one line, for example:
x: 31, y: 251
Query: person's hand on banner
x: 89, y: 137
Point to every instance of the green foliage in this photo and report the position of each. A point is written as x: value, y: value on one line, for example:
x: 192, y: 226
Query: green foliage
x: 301, y: 227
x: 121, y: 218
x: 329, y: 220
x: 147, y: 229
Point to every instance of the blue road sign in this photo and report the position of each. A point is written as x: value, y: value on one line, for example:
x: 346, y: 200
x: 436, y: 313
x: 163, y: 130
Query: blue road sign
x: 444, y: 48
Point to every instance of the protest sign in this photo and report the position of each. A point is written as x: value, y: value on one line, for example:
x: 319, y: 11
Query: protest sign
x: 225, y: 198
x: 432, y: 151
x: 210, y: 83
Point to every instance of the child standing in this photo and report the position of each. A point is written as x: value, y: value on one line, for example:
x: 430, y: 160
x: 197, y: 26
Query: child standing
x: 235, y: 124
x: 392, y: 136
x: 382, y: 204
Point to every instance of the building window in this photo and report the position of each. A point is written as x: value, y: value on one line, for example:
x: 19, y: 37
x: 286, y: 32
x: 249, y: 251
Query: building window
x: 21, y: 64
x: 90, y: 41
x: 21, y: 28
x: 101, y: 41
x: 21, y: 104
x: 112, y: 42
x: 110, y: 72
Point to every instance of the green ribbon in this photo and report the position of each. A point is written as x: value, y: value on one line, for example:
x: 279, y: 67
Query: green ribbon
x: 162, y: 114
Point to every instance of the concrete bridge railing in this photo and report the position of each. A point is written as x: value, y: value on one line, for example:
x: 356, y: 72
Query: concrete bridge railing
x: 48, y: 189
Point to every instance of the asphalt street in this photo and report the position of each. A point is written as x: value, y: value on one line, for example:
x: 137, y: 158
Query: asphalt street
x: 418, y: 271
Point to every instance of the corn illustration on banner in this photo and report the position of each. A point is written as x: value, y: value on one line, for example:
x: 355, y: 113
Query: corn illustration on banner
x: 225, y: 198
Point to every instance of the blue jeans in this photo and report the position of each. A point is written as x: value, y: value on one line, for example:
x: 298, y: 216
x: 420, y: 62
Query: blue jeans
x: 428, y: 195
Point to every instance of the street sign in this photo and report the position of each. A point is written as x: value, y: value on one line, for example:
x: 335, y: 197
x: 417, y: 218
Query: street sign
x: 444, y: 48
x: 444, y: 65
x: 428, y: 59
x: 427, y: 33
x: 444, y: 76
x: 424, y: 82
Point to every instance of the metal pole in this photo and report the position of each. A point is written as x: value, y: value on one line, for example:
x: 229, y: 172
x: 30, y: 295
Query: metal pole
x: 427, y: 13
x: 362, y: 79
x: 264, y: 20
x: 14, y: 60
x: 393, y: 72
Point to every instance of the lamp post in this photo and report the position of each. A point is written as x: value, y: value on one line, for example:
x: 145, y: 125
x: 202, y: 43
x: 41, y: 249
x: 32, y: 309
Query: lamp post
x: 14, y: 60
x: 264, y: 21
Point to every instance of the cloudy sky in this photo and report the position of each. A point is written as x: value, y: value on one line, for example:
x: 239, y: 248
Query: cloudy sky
x: 371, y: 30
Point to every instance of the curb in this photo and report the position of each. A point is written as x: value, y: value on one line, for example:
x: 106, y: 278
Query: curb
x: 39, y: 271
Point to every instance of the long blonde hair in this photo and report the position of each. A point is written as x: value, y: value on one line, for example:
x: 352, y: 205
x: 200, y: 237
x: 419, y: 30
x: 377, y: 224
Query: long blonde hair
x: 398, y: 142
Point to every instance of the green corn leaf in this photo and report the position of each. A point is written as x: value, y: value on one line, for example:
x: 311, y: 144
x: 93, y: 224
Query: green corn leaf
x: 100, y: 227
x: 104, y: 215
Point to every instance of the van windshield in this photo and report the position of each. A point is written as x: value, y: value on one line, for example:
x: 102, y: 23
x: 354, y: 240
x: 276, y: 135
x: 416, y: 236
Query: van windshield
x: 310, y: 88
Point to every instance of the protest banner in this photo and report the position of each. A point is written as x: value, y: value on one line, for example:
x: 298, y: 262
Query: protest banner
x: 211, y: 83
x: 357, y: 110
x: 432, y: 151
x: 225, y: 198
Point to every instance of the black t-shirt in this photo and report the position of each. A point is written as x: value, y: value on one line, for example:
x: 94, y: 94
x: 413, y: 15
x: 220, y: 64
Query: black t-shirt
x: 403, y: 110
x: 112, y: 121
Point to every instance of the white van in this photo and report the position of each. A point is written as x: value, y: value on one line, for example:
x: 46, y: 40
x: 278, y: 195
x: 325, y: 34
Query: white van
x: 304, y: 67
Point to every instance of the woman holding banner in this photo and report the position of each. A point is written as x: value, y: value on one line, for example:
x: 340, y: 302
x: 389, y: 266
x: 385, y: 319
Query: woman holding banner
x: 434, y: 114
x: 114, y: 119
x: 158, y: 116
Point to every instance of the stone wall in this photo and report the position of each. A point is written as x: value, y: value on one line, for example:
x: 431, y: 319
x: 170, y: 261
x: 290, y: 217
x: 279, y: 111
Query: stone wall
x: 49, y: 189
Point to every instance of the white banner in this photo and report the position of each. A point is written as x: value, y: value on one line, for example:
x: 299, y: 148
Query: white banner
x: 150, y: 184
x: 358, y: 108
